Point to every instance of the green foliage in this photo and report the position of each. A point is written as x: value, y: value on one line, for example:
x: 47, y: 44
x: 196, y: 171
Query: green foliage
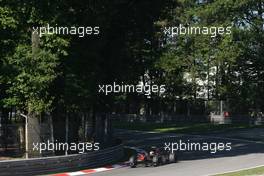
x: 31, y: 79
x: 6, y: 19
x: 236, y: 58
x: 66, y: 70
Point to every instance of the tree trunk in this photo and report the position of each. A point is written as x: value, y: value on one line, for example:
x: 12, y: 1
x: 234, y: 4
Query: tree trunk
x: 33, y: 135
x: 33, y: 120
x: 66, y: 131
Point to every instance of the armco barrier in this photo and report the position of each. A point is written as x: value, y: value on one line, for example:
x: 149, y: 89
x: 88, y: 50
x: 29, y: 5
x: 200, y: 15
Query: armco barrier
x: 61, y: 163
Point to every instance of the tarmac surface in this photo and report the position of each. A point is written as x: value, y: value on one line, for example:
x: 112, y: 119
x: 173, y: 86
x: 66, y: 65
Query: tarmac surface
x: 245, y: 153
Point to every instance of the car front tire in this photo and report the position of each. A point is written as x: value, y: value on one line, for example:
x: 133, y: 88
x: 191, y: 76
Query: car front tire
x: 132, y: 162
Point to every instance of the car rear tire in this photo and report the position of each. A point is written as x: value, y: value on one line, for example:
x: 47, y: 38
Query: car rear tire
x: 172, y: 158
x: 163, y: 159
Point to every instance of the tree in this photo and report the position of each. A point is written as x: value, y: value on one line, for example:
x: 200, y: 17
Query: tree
x: 231, y: 56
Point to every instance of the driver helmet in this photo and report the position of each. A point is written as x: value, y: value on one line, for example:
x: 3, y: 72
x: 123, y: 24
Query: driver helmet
x: 151, y: 153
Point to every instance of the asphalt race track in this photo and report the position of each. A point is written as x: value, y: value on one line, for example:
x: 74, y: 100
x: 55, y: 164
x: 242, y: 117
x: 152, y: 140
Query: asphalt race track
x: 244, y: 154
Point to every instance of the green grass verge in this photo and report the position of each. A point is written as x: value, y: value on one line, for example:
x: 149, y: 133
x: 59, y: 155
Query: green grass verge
x: 249, y: 172
x: 195, y: 128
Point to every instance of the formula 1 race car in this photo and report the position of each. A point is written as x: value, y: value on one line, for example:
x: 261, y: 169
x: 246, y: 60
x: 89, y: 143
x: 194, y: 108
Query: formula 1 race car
x: 153, y: 157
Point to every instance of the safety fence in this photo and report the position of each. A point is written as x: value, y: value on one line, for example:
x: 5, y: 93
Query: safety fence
x: 61, y: 163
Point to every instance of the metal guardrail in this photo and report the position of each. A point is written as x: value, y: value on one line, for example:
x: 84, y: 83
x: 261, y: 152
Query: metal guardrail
x: 61, y: 163
x: 170, y: 118
x: 234, y: 118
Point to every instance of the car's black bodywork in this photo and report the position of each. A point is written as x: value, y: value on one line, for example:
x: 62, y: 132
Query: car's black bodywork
x: 152, y: 157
